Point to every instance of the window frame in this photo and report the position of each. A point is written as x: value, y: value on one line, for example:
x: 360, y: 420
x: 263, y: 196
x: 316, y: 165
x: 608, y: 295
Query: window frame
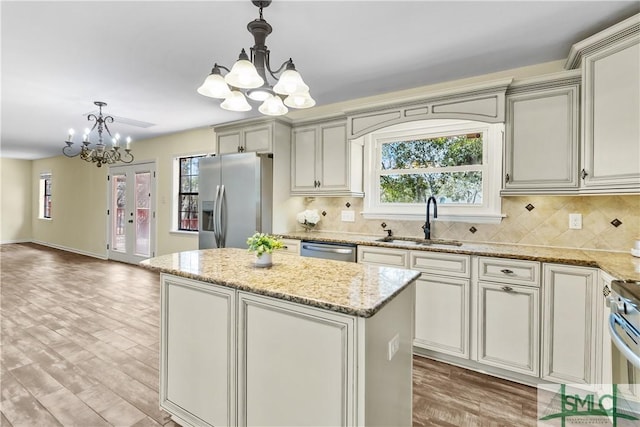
x: 487, y: 212
x: 177, y: 193
x: 45, y: 196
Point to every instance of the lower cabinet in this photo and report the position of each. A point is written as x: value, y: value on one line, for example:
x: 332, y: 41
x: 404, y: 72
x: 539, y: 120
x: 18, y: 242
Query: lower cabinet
x: 197, y: 359
x: 508, y: 327
x: 287, y: 349
x: 442, y: 315
x: 570, y: 305
x: 233, y: 358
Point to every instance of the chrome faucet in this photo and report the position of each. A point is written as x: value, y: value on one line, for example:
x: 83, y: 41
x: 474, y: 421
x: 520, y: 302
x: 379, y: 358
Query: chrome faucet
x: 427, y: 225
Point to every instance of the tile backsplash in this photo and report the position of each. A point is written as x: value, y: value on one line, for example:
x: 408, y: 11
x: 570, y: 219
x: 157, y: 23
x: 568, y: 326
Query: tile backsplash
x: 547, y: 223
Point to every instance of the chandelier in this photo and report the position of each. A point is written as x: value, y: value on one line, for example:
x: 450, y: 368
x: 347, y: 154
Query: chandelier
x: 102, y: 153
x: 248, y: 78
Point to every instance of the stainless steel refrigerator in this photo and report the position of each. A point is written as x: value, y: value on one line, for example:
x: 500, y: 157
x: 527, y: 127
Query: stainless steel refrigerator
x: 235, y: 199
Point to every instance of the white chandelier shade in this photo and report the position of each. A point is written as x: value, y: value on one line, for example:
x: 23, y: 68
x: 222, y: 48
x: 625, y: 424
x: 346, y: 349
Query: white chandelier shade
x: 248, y: 78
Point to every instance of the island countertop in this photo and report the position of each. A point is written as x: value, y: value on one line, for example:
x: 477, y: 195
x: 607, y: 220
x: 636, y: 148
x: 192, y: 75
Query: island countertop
x: 349, y: 288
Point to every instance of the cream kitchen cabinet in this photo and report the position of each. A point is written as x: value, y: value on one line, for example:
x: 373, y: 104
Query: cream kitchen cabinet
x: 442, y: 302
x: 197, y: 355
x: 250, y: 136
x: 324, y: 162
x: 610, y: 63
x: 542, y: 135
x: 508, y: 315
x: 387, y: 257
x: 291, y: 246
x: 570, y: 307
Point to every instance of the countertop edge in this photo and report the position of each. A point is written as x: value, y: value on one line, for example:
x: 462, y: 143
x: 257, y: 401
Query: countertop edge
x: 310, y: 302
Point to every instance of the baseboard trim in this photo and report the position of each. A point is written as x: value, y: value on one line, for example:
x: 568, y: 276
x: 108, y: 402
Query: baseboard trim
x: 8, y: 242
x: 67, y: 249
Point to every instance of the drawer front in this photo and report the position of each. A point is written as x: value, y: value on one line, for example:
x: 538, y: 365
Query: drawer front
x: 383, y: 256
x: 509, y: 271
x: 440, y: 263
x: 291, y: 247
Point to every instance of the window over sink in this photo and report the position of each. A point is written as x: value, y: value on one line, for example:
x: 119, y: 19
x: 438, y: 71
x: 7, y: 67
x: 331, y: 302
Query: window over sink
x: 456, y: 161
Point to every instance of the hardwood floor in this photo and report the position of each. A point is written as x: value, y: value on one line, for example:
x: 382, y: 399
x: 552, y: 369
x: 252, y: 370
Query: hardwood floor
x: 79, y: 347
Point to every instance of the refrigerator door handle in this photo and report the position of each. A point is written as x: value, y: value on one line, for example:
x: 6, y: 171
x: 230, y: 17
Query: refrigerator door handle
x: 222, y: 219
x: 216, y: 217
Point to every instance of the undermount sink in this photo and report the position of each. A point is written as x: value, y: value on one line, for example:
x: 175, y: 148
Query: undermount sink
x: 412, y: 241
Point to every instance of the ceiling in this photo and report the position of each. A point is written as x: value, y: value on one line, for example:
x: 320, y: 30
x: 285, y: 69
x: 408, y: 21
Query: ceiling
x: 146, y: 59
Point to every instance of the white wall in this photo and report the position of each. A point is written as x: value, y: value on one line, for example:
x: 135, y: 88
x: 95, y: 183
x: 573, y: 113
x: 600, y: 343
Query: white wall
x: 15, y: 196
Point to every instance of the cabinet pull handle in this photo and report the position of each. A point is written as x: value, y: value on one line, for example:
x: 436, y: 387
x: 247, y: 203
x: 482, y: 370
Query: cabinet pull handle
x: 507, y: 288
x: 315, y: 184
x: 506, y: 271
x: 506, y: 178
x: 583, y: 174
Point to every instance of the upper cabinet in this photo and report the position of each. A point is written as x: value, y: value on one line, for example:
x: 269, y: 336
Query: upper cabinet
x: 610, y: 63
x: 542, y: 135
x: 578, y: 132
x: 248, y: 137
x: 324, y: 162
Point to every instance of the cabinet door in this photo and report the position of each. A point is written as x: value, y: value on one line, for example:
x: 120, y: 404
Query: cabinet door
x: 508, y: 327
x: 334, y: 157
x: 229, y: 142
x: 258, y: 139
x: 278, y: 343
x: 442, y: 315
x: 303, y: 157
x: 197, y: 372
x: 611, y: 109
x: 386, y: 257
x: 569, y: 324
x: 541, y: 150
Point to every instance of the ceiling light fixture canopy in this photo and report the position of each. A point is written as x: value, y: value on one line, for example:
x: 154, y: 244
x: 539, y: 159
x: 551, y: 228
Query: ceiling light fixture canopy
x: 248, y: 78
x: 102, y: 153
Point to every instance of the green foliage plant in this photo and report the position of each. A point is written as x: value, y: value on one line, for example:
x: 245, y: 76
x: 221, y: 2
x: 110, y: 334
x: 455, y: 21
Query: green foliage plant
x: 261, y: 243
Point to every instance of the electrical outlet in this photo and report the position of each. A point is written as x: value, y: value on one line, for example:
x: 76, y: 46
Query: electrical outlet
x: 394, y: 346
x: 348, y: 216
x: 575, y: 221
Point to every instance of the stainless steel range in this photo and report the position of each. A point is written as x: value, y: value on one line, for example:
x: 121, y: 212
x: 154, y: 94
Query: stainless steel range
x: 624, y: 328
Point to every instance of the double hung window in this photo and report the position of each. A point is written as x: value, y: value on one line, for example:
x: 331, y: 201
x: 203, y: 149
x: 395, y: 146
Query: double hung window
x: 457, y: 162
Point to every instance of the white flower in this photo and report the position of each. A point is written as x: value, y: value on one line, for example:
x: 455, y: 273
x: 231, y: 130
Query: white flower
x: 310, y: 216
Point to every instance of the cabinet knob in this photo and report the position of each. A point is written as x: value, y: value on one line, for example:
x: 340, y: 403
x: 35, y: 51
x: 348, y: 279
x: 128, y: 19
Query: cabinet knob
x: 507, y: 288
x: 506, y: 178
x: 583, y: 174
x: 318, y: 183
x: 506, y: 271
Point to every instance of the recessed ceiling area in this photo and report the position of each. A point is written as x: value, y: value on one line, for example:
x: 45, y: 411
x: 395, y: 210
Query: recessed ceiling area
x: 146, y: 59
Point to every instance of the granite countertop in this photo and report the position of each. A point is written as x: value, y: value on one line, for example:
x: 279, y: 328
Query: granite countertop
x: 344, y: 287
x: 620, y: 265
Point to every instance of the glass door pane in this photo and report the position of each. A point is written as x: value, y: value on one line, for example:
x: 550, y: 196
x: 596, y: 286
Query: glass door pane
x: 142, y: 203
x: 119, y: 202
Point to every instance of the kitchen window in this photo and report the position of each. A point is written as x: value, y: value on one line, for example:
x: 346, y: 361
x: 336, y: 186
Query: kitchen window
x: 456, y: 161
x: 44, y: 210
x: 187, y: 195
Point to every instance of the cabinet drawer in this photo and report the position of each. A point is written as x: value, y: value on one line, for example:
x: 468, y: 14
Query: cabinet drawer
x: 291, y: 246
x: 509, y: 271
x: 383, y: 256
x: 440, y: 263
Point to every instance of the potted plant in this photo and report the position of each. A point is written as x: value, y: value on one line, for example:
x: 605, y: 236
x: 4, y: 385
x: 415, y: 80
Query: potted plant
x: 263, y: 246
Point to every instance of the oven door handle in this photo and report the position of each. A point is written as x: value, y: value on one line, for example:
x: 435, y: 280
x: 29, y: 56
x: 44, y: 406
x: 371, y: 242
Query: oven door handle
x: 619, y: 343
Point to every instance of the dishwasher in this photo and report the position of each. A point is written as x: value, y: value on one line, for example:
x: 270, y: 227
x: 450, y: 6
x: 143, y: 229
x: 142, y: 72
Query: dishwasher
x: 335, y: 251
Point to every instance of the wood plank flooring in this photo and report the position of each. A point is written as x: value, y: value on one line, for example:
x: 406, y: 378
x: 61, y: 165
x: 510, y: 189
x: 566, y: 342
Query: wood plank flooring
x: 79, y: 347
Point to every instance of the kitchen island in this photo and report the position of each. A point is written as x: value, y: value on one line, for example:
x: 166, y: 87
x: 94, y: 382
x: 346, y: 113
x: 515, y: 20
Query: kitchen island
x: 303, y: 342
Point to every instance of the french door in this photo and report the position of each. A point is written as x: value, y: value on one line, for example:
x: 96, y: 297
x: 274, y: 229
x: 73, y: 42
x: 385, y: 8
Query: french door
x: 131, y: 212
